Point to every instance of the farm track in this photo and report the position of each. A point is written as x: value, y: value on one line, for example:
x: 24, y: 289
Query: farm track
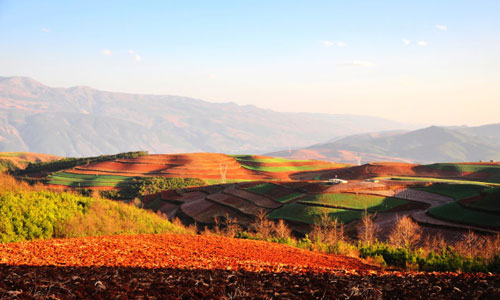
x: 206, y: 267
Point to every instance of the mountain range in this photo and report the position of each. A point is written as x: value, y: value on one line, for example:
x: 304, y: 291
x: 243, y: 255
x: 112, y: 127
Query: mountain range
x: 81, y: 121
x: 427, y: 145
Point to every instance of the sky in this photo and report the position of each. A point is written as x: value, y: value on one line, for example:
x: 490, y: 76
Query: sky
x: 422, y: 62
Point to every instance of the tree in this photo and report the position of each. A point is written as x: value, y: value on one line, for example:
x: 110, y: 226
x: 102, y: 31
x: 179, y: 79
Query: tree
x: 368, y: 229
x: 405, y: 234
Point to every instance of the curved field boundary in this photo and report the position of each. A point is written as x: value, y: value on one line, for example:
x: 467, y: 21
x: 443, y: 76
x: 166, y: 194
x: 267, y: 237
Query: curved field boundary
x: 454, y: 212
x: 170, y: 209
x: 204, y: 211
x: 254, y: 198
x: 423, y: 218
x: 237, y: 203
x: 422, y: 196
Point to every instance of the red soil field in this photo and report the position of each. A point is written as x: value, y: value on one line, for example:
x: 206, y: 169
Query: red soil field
x: 200, y: 165
x: 172, y: 266
x: 254, y: 198
x: 379, y: 169
x: 237, y: 203
x: 204, y: 211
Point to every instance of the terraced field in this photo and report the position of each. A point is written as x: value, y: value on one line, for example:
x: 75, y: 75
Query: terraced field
x: 480, y: 172
x: 281, y: 167
x: 457, y: 213
x: 87, y: 180
x: 308, y: 214
x: 463, y: 211
x: 490, y: 201
x: 212, y: 167
x: 280, y: 200
x: 352, y: 201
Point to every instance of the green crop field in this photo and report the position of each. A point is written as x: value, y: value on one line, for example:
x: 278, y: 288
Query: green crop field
x: 262, y: 188
x: 431, y: 179
x: 456, y: 191
x: 87, y: 180
x: 248, y: 162
x: 352, y: 201
x: 465, y: 167
x: 289, y: 197
x: 490, y: 202
x: 454, y: 212
x: 310, y: 214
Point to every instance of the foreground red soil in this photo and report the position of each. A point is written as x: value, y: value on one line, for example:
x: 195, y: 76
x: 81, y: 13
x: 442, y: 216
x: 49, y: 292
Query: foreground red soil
x: 206, y: 267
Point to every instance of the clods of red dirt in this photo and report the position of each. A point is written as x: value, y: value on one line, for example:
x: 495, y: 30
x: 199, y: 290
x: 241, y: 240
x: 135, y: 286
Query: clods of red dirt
x: 172, y: 266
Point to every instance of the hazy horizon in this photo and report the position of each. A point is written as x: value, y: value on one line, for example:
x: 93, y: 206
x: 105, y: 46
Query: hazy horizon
x: 421, y: 63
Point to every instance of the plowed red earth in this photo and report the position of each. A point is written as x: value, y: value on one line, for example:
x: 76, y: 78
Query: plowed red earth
x: 207, y: 267
x: 378, y: 169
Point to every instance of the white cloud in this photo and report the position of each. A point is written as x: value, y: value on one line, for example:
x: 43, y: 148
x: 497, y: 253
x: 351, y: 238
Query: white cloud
x: 330, y: 43
x: 327, y: 43
x: 406, y: 42
x: 136, y: 55
x: 106, y: 52
x: 357, y: 63
x: 45, y: 30
x: 442, y: 27
x: 422, y: 43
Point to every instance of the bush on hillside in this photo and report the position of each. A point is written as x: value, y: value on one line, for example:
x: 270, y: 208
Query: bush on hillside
x: 35, y: 212
x: 71, y: 162
x: 141, y: 186
x: 7, y: 166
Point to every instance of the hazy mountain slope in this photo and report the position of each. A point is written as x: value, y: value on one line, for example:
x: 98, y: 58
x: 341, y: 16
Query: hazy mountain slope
x: 432, y: 144
x: 83, y: 121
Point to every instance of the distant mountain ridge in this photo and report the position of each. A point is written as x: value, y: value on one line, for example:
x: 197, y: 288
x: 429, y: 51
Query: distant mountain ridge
x: 81, y: 121
x: 431, y: 144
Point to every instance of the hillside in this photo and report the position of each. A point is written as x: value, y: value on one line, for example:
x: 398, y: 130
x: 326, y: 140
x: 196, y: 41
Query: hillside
x: 210, y: 167
x: 81, y: 121
x: 207, y: 267
x: 431, y: 144
x: 22, y: 159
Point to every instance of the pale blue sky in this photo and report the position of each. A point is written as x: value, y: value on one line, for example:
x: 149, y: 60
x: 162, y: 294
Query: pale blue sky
x: 415, y: 61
